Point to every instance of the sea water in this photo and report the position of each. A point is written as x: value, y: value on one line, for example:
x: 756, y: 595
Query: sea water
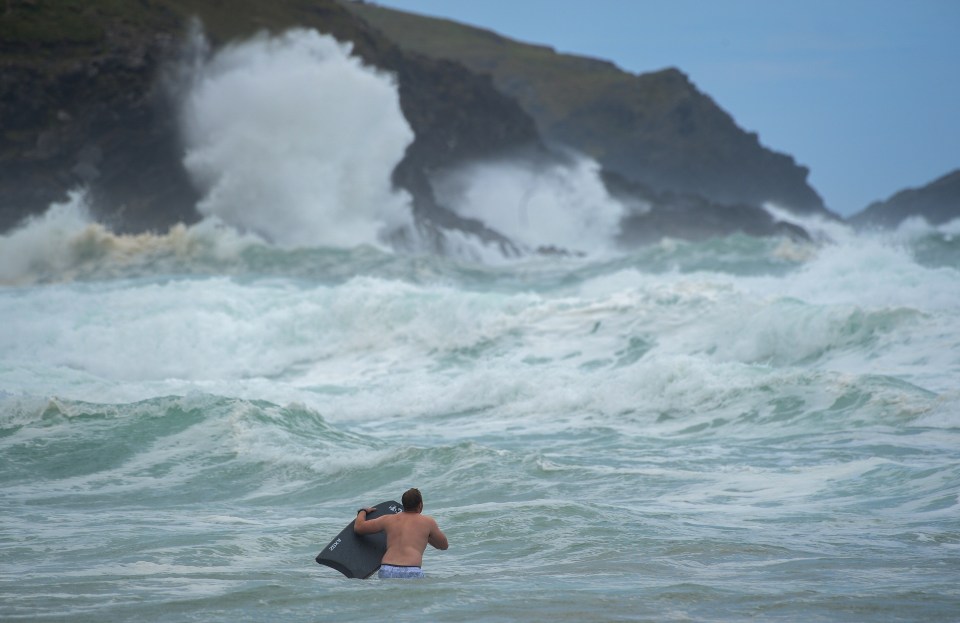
x: 729, y: 430
x: 714, y: 431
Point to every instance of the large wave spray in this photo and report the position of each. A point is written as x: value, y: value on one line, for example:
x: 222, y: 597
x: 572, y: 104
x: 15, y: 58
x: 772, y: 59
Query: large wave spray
x: 537, y: 204
x: 292, y: 138
x: 66, y: 243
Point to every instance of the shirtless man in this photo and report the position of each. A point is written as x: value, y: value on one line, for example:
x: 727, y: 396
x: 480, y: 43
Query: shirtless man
x: 407, y: 536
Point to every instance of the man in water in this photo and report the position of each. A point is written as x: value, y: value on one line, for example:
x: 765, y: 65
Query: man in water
x: 407, y: 536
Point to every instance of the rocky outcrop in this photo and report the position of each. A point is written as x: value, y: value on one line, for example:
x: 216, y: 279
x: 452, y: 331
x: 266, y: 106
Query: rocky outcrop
x: 89, y: 108
x: 654, y: 215
x: 85, y: 101
x: 656, y: 129
x: 938, y: 202
x: 84, y: 112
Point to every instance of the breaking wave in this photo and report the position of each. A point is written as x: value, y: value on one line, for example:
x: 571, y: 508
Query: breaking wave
x: 294, y: 139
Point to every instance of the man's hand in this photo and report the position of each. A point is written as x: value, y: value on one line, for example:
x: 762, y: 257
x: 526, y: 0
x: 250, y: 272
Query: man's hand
x: 362, y: 526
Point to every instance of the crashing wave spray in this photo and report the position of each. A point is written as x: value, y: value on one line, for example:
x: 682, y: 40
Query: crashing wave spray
x: 43, y: 244
x: 555, y: 204
x: 66, y: 243
x: 293, y: 139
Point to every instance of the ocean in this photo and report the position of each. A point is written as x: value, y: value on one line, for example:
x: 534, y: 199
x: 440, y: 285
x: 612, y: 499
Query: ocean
x: 727, y: 430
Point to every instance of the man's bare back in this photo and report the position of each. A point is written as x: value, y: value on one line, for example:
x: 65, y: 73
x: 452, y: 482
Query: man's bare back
x: 408, y: 533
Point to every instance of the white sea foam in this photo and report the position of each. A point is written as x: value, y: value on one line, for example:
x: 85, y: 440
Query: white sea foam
x: 217, y: 334
x: 871, y: 271
x: 767, y: 435
x: 65, y: 243
x: 293, y: 138
x: 537, y: 204
x: 820, y: 228
x: 45, y: 243
x: 951, y: 228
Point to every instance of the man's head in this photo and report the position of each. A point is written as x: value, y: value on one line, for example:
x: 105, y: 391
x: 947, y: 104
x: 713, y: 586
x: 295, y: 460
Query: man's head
x: 412, y: 500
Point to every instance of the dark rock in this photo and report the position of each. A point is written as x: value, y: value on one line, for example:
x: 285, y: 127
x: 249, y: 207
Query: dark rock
x: 938, y: 202
x: 657, y: 215
x: 92, y: 112
x: 84, y: 102
x: 656, y: 128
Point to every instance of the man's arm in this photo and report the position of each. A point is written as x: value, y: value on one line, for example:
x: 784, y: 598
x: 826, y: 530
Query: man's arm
x: 362, y: 526
x: 437, y: 538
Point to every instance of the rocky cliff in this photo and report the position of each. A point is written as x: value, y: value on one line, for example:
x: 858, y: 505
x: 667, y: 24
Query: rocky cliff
x: 938, y: 202
x: 656, y: 129
x: 85, y: 101
x: 82, y: 102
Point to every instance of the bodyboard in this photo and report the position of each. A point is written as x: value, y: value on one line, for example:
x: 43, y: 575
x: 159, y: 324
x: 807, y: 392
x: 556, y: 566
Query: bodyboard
x: 357, y: 556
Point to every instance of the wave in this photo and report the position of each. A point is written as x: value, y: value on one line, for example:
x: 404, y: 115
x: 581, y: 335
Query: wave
x: 538, y: 205
x: 169, y: 447
x: 294, y: 139
x: 66, y: 243
x: 459, y: 341
x: 166, y: 450
x: 930, y: 245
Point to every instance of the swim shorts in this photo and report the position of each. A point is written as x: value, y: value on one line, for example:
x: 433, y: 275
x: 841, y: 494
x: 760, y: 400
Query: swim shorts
x: 399, y: 571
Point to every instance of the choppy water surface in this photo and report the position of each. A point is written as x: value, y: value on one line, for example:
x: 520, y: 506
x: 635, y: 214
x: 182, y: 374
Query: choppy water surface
x: 730, y: 430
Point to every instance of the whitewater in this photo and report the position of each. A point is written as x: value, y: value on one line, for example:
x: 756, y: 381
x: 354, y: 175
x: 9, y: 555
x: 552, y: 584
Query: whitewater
x: 728, y: 430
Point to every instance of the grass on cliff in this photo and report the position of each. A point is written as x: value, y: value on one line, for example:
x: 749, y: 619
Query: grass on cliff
x: 551, y: 83
x: 41, y: 24
x: 59, y: 28
x: 577, y: 99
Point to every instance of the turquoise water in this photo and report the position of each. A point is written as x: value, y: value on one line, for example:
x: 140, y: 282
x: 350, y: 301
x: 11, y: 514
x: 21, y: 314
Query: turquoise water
x: 732, y: 430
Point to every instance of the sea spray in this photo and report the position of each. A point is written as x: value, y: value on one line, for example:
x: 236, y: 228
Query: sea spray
x: 818, y: 226
x: 43, y: 244
x: 294, y: 139
x: 65, y: 243
x: 538, y: 204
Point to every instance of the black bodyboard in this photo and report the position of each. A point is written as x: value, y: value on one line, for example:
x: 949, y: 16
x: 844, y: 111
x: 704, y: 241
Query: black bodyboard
x: 358, y: 556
